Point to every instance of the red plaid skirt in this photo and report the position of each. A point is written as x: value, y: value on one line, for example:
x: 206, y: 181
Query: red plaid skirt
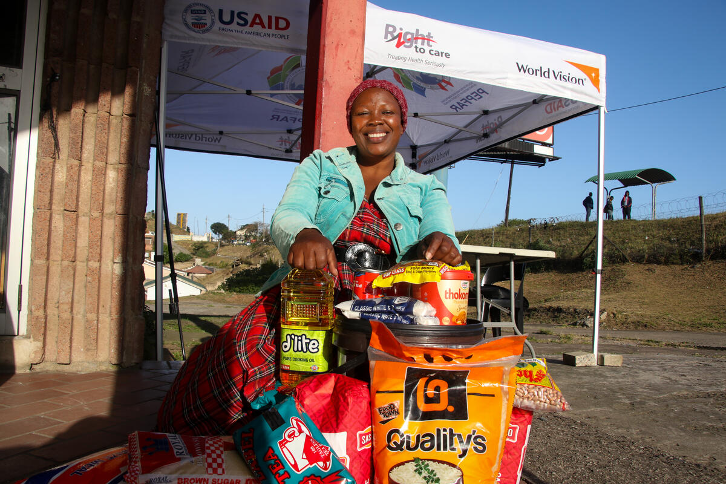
x: 214, y: 388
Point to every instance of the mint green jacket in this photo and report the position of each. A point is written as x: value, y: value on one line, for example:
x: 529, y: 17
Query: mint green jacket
x: 327, y: 189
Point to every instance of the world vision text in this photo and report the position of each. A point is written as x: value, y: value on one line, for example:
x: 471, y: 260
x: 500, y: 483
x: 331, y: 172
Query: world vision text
x: 547, y: 73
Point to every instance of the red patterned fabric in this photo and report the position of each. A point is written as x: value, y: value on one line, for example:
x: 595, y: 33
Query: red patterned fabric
x: 213, y: 389
x: 368, y: 226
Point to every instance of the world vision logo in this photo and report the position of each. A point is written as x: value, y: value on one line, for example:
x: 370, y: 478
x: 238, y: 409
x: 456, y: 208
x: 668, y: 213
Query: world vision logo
x: 198, y: 18
x: 435, y: 394
x: 593, y: 74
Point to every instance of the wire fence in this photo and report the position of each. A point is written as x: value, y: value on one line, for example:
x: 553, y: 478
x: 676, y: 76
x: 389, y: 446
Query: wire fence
x: 676, y: 235
x: 685, y: 207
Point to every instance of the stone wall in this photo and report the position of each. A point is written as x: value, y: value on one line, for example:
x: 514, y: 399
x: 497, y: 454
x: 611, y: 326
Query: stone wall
x: 97, y: 115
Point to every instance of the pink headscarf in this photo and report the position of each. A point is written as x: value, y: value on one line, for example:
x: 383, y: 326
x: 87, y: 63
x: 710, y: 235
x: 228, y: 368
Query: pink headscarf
x: 377, y: 83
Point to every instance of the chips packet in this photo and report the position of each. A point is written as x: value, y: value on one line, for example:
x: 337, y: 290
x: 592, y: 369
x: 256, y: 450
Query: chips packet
x: 107, y: 466
x: 415, y: 272
x: 283, y: 445
x: 513, y: 456
x: 440, y: 415
x: 536, y: 390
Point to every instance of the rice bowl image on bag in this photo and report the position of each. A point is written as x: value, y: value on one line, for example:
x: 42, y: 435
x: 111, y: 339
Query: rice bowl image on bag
x: 425, y: 471
x: 440, y: 415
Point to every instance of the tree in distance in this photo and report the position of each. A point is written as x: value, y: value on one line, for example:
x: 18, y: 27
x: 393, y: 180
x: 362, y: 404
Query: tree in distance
x: 219, y: 229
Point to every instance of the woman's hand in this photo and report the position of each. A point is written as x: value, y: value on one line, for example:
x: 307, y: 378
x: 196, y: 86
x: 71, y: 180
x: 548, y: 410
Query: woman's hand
x: 311, y: 250
x: 438, y: 246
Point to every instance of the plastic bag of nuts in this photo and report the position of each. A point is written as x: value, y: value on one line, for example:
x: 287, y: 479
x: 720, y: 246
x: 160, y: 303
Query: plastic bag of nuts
x: 536, y: 390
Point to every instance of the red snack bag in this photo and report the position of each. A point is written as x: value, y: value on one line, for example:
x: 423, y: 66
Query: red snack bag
x: 516, y: 443
x: 340, y: 408
x: 108, y: 466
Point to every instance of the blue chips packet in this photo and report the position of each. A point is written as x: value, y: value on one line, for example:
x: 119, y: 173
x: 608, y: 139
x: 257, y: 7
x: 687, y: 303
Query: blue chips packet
x: 282, y: 445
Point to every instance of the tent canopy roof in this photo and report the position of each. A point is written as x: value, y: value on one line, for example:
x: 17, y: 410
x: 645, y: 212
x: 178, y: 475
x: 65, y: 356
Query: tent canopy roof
x: 235, y: 83
x: 644, y: 176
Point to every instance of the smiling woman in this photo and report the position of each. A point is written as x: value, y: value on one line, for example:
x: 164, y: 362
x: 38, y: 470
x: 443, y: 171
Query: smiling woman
x: 359, y: 195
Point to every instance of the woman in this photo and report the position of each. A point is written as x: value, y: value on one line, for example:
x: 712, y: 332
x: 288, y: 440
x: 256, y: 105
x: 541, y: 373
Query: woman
x: 626, y: 205
x: 359, y: 194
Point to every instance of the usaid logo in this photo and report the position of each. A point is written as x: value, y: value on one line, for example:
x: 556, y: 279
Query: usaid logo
x: 198, y: 18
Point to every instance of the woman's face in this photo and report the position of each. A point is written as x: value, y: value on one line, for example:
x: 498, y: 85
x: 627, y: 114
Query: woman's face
x: 376, y: 125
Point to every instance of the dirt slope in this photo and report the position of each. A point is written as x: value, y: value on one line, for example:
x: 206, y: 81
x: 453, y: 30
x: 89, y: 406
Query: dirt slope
x: 657, y: 297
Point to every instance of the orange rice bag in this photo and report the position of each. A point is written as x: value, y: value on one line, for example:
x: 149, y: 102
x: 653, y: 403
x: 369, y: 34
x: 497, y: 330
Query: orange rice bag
x: 440, y: 415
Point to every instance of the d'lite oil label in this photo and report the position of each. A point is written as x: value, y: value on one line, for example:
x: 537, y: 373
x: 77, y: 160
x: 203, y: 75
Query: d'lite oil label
x: 304, y: 350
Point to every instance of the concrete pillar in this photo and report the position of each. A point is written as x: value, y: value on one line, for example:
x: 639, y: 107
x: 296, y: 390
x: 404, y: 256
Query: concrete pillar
x: 86, y: 295
x: 334, y: 66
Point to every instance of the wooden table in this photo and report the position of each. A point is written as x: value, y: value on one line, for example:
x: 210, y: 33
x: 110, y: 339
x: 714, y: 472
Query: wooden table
x: 477, y: 256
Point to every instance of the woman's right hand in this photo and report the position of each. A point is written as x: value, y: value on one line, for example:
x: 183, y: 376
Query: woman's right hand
x: 312, y: 250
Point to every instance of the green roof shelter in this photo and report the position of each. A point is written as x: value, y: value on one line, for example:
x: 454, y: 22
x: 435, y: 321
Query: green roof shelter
x: 632, y: 178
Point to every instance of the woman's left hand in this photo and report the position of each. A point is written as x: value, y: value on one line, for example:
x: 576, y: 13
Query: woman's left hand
x: 438, y: 246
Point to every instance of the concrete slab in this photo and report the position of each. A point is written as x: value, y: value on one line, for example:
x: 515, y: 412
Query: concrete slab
x: 579, y: 359
x: 612, y: 360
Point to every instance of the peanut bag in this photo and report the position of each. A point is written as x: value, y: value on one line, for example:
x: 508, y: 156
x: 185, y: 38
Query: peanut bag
x: 536, y: 390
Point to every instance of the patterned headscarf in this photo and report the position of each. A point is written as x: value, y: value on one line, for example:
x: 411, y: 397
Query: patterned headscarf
x: 377, y: 83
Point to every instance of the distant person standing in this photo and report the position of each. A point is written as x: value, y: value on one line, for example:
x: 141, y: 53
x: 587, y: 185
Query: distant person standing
x: 626, y: 206
x: 588, y: 204
x: 609, y: 208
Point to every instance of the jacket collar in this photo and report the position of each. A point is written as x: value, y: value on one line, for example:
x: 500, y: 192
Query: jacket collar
x: 345, y: 159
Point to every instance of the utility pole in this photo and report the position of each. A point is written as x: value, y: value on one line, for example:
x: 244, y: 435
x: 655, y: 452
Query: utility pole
x: 228, y: 222
x: 263, y: 219
x: 509, y: 191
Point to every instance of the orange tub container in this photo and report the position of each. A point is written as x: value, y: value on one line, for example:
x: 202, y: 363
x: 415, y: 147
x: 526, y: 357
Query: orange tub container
x: 448, y: 296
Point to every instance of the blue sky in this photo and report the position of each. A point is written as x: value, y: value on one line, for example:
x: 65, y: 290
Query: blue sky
x: 655, y: 50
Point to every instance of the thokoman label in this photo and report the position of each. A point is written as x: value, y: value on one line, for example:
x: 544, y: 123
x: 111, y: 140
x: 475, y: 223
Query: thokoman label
x: 304, y: 350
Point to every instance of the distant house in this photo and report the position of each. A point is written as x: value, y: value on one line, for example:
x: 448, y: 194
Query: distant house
x: 150, y: 270
x: 198, y: 271
x: 185, y: 287
x: 148, y: 244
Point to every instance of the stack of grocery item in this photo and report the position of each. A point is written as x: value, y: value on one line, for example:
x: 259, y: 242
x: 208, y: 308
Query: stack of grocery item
x: 432, y: 413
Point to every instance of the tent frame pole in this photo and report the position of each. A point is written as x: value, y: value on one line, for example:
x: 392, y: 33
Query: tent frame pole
x: 599, y: 233
x: 159, y: 211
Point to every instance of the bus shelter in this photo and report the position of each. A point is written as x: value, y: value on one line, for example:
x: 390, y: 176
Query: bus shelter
x: 632, y: 178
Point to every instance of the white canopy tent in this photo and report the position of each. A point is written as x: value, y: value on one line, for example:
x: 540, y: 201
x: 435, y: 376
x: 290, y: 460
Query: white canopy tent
x: 232, y: 82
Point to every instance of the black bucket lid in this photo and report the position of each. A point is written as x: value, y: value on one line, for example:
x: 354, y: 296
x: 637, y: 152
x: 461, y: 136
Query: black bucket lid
x: 473, y: 329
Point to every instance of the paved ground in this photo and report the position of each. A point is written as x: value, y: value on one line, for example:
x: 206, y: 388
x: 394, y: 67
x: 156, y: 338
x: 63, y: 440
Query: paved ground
x: 659, y: 418
x: 52, y: 417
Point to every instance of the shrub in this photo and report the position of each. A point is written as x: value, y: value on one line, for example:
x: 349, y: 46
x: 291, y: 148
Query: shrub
x: 249, y: 280
x: 201, y: 250
x: 182, y: 257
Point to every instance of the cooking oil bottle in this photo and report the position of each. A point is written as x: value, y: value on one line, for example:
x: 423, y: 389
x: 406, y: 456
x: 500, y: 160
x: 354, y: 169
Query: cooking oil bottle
x: 306, y: 323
